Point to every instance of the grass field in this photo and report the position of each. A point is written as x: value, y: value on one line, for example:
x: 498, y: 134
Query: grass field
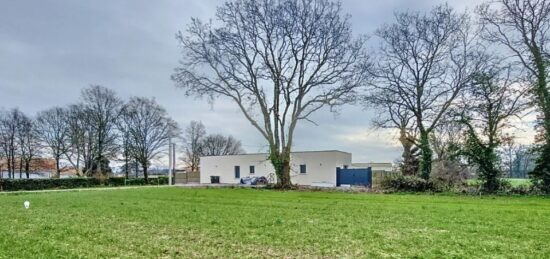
x: 513, y: 181
x: 176, y: 222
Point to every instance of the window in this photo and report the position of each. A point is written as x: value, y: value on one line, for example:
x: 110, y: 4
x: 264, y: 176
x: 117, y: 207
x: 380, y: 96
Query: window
x: 303, y: 169
x: 237, y: 171
x: 252, y: 169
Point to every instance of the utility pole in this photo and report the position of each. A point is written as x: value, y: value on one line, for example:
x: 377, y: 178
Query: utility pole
x: 173, y: 160
x: 170, y: 161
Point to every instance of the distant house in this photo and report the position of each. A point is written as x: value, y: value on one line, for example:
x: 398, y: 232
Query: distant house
x: 316, y: 168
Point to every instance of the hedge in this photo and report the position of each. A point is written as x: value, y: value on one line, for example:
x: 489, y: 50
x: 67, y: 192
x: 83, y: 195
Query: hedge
x: 71, y: 183
x: 408, y: 184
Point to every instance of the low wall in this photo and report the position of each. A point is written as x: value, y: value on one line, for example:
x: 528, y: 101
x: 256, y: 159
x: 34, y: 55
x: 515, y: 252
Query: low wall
x: 183, y: 178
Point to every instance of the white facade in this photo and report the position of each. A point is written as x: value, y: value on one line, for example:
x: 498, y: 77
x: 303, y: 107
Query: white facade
x: 320, y: 167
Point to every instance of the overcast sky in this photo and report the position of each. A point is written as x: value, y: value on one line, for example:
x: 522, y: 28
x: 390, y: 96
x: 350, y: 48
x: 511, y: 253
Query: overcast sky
x: 51, y: 49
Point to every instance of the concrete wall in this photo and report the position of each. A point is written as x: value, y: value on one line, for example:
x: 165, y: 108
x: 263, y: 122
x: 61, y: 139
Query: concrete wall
x: 320, y: 167
x: 374, y: 166
x: 186, y: 177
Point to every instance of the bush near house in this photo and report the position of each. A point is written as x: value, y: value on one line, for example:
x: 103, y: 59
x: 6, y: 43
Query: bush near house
x: 71, y: 183
x: 416, y: 184
x: 406, y: 183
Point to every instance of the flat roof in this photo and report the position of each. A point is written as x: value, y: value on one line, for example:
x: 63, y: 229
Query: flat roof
x: 293, y: 152
x: 373, y: 163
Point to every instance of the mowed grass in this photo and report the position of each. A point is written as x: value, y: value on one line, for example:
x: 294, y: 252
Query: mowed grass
x: 177, y: 222
x: 513, y: 181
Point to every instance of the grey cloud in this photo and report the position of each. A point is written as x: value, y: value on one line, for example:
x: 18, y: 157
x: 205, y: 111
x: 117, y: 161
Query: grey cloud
x: 51, y: 49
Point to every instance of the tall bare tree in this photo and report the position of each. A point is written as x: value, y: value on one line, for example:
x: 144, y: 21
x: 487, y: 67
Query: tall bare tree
x: 392, y: 114
x: 101, y: 107
x: 124, y: 128
x: 9, y: 125
x: 54, y: 133
x: 447, y: 139
x: 192, y: 144
x: 29, y: 144
x: 278, y: 61
x: 523, y: 27
x: 80, y: 145
x: 149, y: 130
x: 220, y: 145
x: 424, y: 63
x: 489, y: 105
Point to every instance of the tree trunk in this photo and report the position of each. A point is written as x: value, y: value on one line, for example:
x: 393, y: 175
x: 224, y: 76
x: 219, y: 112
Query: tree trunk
x: 57, y: 170
x: 410, y: 163
x: 21, y: 167
x: 145, y: 176
x: 13, y: 164
x: 542, y: 169
x: 27, y: 169
x: 8, y: 160
x: 281, y: 164
x: 426, y: 155
x: 491, y: 173
x: 126, y: 165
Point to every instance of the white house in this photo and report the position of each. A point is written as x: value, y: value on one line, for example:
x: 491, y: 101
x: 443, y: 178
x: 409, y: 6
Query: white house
x: 307, y: 168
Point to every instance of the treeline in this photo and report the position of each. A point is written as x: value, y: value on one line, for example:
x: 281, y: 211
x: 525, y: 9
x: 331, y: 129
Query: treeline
x: 197, y: 143
x: 87, y: 135
x: 451, y: 82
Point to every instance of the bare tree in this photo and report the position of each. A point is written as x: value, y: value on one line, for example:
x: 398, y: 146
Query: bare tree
x: 29, y: 144
x: 523, y: 161
x: 126, y: 138
x: 425, y: 62
x: 102, y: 109
x: 392, y: 114
x: 523, y: 27
x: 54, y: 133
x: 278, y: 61
x: 508, y: 150
x: 489, y: 105
x: 80, y: 145
x: 447, y: 139
x: 149, y: 129
x: 220, y: 145
x: 192, y: 141
x: 9, y: 124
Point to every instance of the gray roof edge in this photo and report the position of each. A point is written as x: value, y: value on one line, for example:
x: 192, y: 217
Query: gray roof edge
x: 294, y: 152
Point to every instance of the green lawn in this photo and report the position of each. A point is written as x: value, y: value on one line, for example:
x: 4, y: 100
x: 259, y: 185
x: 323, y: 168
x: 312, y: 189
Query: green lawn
x: 176, y: 222
x: 513, y: 181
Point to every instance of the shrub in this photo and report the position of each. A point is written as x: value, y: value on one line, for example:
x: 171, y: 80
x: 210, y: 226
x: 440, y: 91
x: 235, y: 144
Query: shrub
x: 42, y: 184
x: 501, y: 186
x: 407, y: 184
x: 523, y: 189
x: 448, y: 175
x: 121, y: 181
x: 72, y: 183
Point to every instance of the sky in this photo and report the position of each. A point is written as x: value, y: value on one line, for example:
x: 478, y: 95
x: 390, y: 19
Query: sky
x: 51, y: 49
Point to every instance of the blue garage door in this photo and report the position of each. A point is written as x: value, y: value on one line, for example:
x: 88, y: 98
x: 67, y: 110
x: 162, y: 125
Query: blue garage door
x: 356, y: 176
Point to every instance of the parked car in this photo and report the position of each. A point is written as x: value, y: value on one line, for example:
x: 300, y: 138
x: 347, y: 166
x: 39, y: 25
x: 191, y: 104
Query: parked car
x: 253, y: 180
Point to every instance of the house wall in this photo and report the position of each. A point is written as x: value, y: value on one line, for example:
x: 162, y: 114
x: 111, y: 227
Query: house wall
x: 320, y: 167
x: 374, y: 166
